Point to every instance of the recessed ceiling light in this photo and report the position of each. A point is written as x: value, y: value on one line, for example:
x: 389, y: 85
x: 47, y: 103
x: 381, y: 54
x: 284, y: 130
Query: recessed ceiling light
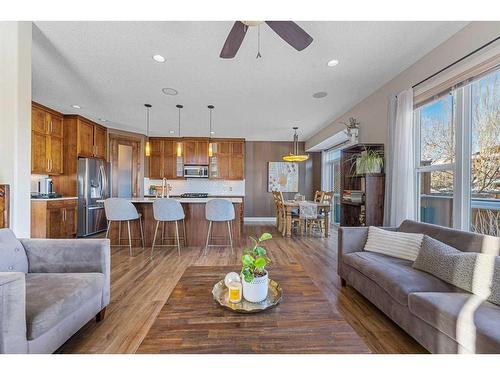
x: 169, y: 91
x: 159, y: 58
x: 76, y: 106
x: 333, y: 62
x: 319, y: 94
x: 171, y: 131
x: 212, y: 132
x: 103, y: 120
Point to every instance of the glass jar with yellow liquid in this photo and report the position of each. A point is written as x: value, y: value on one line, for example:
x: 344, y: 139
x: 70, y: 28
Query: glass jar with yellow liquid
x: 235, y: 292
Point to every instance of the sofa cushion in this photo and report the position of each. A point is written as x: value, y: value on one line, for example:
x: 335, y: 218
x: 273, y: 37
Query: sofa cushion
x: 466, y: 318
x: 12, y: 255
x: 395, y: 276
x: 473, y: 272
x: 396, y: 244
x: 51, y: 297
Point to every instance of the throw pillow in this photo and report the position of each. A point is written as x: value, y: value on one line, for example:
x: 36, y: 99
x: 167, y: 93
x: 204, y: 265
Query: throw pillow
x: 474, y: 272
x: 396, y: 244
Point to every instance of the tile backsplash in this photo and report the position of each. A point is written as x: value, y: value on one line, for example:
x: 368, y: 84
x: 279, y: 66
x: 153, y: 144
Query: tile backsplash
x: 193, y: 185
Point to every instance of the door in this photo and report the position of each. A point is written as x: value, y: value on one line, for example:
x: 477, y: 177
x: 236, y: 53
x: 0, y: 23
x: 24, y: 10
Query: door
x: 85, y: 142
x: 69, y: 217
x: 190, y: 156
x: 122, y: 174
x: 124, y: 178
x: 100, y: 140
x: 55, y: 125
x: 236, y: 167
x: 202, y: 152
x: 170, y: 159
x: 55, y: 222
x: 39, y: 160
x: 96, y: 220
x: 56, y: 155
x: 38, y: 120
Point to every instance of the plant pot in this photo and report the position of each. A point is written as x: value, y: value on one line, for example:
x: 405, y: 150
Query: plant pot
x: 256, y: 290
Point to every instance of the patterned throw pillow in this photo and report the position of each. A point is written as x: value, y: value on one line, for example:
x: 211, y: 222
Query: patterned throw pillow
x: 474, y: 272
x: 396, y: 244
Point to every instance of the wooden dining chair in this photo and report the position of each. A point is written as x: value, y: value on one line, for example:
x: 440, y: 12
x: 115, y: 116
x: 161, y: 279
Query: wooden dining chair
x: 320, y: 222
x: 278, y: 197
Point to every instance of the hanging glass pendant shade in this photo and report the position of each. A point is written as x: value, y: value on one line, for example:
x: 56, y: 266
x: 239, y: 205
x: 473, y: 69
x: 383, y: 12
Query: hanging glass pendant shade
x: 210, y: 145
x: 179, y: 144
x: 147, y: 147
x: 295, y: 156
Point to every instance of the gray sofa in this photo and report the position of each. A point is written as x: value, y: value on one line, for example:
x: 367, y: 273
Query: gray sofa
x: 441, y: 317
x: 49, y: 289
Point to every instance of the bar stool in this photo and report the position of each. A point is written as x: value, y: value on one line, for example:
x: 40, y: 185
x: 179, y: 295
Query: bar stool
x: 168, y: 210
x: 219, y: 210
x: 119, y: 209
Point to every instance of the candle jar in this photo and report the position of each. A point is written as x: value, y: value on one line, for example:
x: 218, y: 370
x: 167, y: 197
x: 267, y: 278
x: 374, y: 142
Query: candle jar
x: 235, y: 292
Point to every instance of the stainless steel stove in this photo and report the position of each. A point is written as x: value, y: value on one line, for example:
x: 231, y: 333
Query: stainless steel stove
x: 194, y: 195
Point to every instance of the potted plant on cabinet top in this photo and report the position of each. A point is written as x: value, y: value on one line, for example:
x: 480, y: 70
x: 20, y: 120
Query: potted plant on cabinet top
x: 367, y: 162
x: 254, y: 276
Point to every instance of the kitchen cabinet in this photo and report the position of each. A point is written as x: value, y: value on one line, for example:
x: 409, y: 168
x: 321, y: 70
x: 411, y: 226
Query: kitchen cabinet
x: 91, y: 139
x: 228, y: 161
x: 195, y: 151
x: 46, y: 140
x: 53, y: 218
x: 163, y: 161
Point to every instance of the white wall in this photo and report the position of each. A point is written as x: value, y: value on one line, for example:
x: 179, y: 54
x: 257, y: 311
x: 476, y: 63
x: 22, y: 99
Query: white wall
x: 372, y: 111
x: 15, y: 120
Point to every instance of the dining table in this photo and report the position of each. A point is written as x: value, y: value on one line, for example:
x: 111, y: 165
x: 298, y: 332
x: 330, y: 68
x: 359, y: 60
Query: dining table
x: 291, y: 205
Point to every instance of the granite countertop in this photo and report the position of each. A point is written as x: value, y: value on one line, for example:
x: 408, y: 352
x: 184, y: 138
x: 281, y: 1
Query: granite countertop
x: 182, y: 200
x: 53, y: 199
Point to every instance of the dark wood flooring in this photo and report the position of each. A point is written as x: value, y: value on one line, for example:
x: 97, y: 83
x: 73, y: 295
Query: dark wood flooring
x: 140, y: 288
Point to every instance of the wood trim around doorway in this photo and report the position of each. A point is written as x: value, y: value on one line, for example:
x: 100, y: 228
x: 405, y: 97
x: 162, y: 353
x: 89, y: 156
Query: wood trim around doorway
x: 135, y: 143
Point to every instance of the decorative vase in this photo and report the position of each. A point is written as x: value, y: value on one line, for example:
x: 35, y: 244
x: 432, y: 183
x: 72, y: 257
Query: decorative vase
x: 256, y: 290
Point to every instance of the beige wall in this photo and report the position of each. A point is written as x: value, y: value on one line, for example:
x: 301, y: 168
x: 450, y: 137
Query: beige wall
x: 372, y: 111
x: 15, y: 120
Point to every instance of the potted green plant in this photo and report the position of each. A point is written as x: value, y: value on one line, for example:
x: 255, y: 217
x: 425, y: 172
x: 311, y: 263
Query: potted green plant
x: 368, y: 161
x: 254, y: 276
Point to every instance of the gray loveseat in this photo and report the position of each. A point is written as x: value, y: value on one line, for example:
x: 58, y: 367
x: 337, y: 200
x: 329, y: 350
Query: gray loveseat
x: 440, y: 316
x: 49, y: 289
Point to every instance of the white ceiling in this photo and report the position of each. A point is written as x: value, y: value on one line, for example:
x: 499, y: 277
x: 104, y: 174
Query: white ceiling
x: 106, y: 67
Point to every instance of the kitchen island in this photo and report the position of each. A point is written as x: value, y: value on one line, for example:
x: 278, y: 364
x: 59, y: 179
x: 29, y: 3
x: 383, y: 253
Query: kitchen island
x: 195, y: 223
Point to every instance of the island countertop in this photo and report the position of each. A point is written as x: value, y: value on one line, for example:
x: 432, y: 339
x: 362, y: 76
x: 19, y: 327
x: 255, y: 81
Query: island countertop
x: 195, y: 223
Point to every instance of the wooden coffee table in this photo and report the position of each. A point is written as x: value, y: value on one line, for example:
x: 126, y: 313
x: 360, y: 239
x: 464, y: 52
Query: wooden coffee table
x: 304, y: 322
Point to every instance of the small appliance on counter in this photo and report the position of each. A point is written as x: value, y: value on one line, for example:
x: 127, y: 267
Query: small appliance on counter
x: 194, y: 195
x: 45, y: 190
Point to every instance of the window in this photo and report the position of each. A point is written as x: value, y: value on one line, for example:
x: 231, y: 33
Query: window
x: 331, y: 180
x: 458, y: 157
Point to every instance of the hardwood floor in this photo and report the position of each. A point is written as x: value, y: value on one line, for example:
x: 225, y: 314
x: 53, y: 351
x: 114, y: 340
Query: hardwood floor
x: 141, y: 286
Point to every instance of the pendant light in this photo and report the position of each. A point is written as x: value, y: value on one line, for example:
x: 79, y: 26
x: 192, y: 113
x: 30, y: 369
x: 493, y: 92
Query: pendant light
x: 147, y: 148
x: 210, y: 147
x: 294, y: 156
x: 179, y: 144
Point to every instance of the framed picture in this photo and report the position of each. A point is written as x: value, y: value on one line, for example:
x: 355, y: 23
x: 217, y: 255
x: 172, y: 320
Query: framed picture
x: 283, y: 176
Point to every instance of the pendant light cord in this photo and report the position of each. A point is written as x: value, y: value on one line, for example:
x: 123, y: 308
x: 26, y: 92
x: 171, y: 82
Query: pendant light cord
x: 147, y: 121
x: 179, y: 122
x: 210, y: 115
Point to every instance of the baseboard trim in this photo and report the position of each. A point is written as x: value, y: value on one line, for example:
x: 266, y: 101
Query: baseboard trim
x: 253, y: 219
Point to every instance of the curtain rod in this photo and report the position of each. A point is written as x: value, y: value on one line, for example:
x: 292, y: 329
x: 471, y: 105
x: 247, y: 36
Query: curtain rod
x: 456, y: 62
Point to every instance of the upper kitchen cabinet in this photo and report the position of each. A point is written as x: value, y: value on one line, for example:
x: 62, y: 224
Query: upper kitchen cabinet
x: 228, y: 161
x: 46, y: 140
x: 163, y: 159
x: 195, y: 151
x: 91, y: 138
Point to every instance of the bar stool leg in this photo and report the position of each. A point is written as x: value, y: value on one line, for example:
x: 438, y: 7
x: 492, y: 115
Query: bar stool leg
x: 119, y: 233
x: 163, y: 233
x: 154, y: 238
x: 129, y: 238
x: 208, y: 236
x: 107, y: 229
x: 184, y: 230
x: 230, y: 236
x: 177, y: 237
x: 142, y: 232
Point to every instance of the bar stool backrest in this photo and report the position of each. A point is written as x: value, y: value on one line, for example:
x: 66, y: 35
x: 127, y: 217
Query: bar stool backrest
x: 119, y: 209
x: 167, y: 209
x: 219, y: 210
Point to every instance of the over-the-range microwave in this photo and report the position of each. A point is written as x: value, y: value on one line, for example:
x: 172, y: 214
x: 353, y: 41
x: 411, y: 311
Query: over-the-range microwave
x: 196, y: 171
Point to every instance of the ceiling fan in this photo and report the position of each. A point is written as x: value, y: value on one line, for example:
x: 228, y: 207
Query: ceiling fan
x: 289, y: 31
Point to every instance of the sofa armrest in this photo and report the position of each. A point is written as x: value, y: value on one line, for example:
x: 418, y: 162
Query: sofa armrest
x: 70, y: 256
x: 13, y: 313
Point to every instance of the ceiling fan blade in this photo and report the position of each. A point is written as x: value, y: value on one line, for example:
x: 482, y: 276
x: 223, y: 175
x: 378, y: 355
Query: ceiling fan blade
x: 234, y: 40
x: 291, y: 33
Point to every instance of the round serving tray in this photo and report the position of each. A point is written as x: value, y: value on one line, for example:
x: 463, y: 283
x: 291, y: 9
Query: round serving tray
x: 274, y: 296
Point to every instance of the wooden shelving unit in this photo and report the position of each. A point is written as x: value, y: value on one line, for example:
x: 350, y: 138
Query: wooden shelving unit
x: 371, y: 210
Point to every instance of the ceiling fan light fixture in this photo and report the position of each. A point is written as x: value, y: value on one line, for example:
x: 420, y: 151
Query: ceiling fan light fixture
x: 295, y: 156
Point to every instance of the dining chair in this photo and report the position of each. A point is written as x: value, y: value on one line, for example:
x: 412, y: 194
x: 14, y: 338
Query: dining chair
x: 168, y: 210
x: 119, y: 209
x: 280, y: 213
x: 320, y: 222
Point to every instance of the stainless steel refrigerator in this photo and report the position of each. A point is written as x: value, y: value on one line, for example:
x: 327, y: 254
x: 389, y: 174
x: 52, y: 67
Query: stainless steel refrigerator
x: 93, y: 186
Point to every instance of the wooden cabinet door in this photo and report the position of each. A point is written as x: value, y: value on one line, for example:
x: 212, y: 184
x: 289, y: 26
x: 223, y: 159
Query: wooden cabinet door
x: 69, y: 217
x: 38, y: 120
x: 189, y: 152
x: 39, y: 159
x: 85, y: 141
x: 100, y: 140
x: 55, y: 227
x: 170, y: 159
x: 202, y: 152
x: 55, y: 125
x: 223, y: 166
x: 236, y: 167
x: 55, y: 155
x: 156, y: 158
